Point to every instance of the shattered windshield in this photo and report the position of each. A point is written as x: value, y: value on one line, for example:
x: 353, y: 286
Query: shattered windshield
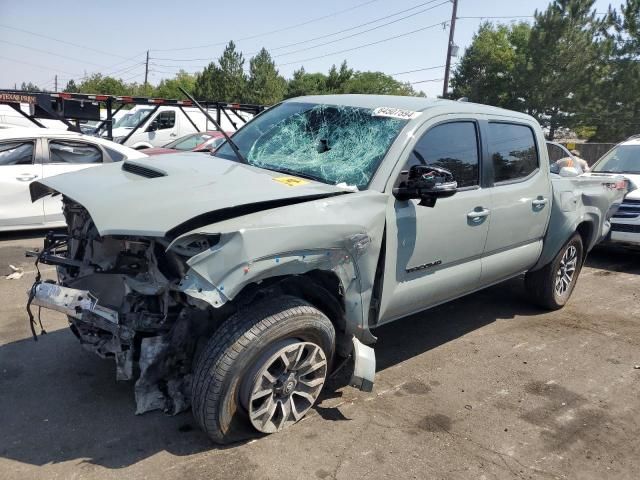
x: 622, y: 159
x: 330, y: 143
x: 130, y: 120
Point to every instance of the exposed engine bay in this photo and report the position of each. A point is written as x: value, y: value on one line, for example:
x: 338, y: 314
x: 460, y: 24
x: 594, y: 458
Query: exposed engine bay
x: 142, y: 320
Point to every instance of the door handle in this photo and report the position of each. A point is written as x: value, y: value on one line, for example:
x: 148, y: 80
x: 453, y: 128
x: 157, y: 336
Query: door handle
x: 479, y: 214
x: 540, y: 202
x: 25, y: 177
x: 173, y: 134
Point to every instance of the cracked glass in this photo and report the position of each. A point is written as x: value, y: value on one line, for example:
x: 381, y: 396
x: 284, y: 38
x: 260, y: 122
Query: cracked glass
x: 329, y: 143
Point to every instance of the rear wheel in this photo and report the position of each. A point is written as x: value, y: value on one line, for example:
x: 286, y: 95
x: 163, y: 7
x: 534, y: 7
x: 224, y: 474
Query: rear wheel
x: 551, y: 286
x: 262, y: 370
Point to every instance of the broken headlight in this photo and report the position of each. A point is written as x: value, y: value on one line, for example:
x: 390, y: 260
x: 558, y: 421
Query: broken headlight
x: 194, y: 244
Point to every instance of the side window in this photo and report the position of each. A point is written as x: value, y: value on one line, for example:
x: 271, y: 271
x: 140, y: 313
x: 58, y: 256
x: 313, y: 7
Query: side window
x: 61, y: 151
x: 16, y: 153
x: 189, y: 143
x: 513, y: 151
x: 556, y: 153
x: 166, y: 120
x: 115, y: 155
x: 453, y: 146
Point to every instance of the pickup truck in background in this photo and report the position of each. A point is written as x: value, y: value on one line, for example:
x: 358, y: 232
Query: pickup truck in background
x: 234, y: 284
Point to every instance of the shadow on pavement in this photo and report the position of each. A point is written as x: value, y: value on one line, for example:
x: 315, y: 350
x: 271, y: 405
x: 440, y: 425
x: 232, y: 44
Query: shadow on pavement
x: 613, y: 258
x: 26, y: 234
x: 59, y: 403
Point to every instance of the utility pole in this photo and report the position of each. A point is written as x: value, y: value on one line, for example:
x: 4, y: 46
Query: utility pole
x: 452, y: 29
x: 146, y: 70
x: 55, y: 81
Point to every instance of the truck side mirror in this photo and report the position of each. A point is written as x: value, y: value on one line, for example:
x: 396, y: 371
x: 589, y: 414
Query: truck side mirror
x: 153, y: 126
x: 425, y: 183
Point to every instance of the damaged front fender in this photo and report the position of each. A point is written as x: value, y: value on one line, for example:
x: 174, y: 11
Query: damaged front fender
x: 289, y: 241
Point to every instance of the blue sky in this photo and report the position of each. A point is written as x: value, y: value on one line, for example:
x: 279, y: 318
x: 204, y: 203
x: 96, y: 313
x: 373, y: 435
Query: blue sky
x: 113, y: 36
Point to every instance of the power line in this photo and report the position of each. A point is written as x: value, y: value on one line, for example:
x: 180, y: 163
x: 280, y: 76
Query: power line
x: 49, y: 53
x: 60, y: 41
x: 509, y: 16
x: 365, y: 45
x: 273, y: 49
x: 34, y: 65
x: 417, y: 70
x: 428, y: 80
x: 362, y: 32
x: 290, y: 27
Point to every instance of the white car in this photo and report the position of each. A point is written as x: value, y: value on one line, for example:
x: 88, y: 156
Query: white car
x: 624, y: 158
x: 28, y: 154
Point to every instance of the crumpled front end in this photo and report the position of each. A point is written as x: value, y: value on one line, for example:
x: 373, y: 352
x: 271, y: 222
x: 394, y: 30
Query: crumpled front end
x: 151, y: 302
x: 122, y: 299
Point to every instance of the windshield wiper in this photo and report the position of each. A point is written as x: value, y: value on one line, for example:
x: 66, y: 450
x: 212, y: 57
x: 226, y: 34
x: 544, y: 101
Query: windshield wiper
x: 231, y: 143
x: 288, y: 171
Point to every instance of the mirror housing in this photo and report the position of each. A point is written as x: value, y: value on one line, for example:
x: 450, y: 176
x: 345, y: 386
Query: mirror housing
x: 425, y: 183
x: 153, y: 126
x: 569, y: 172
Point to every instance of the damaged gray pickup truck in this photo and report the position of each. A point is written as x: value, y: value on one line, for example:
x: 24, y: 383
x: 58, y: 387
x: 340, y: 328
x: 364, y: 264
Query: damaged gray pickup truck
x: 234, y: 283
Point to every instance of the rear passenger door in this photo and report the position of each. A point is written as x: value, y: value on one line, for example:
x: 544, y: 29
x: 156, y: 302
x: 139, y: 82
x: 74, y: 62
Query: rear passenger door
x: 520, y: 198
x: 64, y: 156
x: 19, y: 166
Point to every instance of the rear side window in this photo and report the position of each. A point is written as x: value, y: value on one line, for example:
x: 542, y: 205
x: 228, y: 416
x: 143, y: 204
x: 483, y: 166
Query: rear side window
x: 513, y: 151
x: 453, y: 146
x: 16, y: 153
x: 115, y: 155
x: 73, y: 152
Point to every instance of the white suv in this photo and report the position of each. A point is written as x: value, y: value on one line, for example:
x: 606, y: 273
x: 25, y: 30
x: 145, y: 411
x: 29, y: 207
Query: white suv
x: 624, y: 158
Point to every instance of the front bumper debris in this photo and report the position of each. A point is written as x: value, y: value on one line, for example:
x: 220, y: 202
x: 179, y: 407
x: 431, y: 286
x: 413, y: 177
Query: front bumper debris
x: 71, y: 301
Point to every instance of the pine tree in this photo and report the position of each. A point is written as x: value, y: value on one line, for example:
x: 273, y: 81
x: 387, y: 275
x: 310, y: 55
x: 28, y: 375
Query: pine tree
x: 265, y: 85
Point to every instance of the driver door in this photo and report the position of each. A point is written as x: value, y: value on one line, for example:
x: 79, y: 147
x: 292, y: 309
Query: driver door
x: 434, y: 254
x: 163, y: 128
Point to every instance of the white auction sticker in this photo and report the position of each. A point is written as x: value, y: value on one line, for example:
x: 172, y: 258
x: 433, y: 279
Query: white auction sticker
x: 395, y: 113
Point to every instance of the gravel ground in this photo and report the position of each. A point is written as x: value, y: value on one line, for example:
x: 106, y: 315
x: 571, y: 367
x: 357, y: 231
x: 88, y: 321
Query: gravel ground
x: 484, y: 387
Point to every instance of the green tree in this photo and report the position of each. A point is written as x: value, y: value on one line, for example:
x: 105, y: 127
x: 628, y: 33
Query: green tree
x: 338, y: 79
x: 265, y: 86
x: 303, y: 83
x: 71, y: 87
x: 206, y: 83
x: 30, y: 87
x: 170, y: 87
x: 566, y: 61
x: 492, y: 68
x: 616, y: 111
x: 97, y: 83
x: 555, y: 70
x: 226, y: 81
x: 377, y: 83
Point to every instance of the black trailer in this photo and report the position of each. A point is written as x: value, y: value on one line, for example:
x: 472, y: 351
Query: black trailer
x: 74, y: 108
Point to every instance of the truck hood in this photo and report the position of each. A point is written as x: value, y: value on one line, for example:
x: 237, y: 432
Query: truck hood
x: 169, y: 195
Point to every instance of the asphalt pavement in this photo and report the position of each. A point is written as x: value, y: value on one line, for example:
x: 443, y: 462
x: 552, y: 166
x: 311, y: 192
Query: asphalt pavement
x: 484, y: 387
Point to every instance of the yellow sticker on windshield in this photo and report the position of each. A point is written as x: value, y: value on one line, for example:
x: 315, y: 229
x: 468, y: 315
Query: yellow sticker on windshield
x: 291, y: 181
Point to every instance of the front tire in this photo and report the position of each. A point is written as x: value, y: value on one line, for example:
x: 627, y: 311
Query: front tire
x: 262, y: 370
x: 551, y: 286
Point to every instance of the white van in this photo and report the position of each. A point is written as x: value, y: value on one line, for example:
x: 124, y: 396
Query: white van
x: 167, y: 124
x: 10, y: 117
